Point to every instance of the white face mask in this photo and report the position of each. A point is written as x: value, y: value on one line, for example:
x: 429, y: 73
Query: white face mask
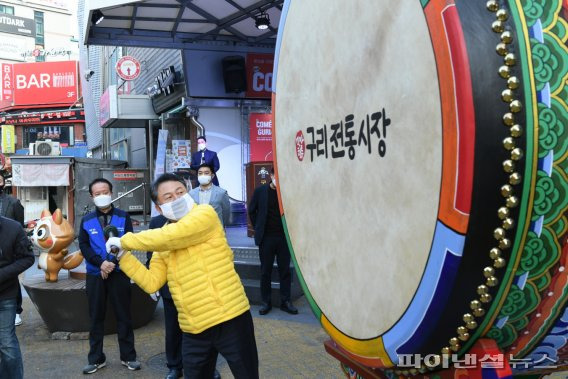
x: 102, y: 201
x: 175, y: 210
x: 201, y: 146
x: 204, y: 179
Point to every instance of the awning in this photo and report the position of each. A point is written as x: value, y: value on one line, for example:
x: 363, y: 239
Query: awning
x: 40, y: 171
x: 124, y: 110
x: 181, y: 24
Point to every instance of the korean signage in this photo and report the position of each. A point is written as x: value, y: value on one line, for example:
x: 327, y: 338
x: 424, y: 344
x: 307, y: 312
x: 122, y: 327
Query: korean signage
x: 8, y: 139
x: 34, y: 53
x: 44, y: 117
x: 40, y: 83
x: 13, y: 47
x: 259, y: 75
x: 345, y: 138
x: 17, y: 25
x: 260, y: 126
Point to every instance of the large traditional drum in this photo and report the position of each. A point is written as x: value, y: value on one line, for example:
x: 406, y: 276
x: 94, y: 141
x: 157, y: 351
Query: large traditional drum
x: 421, y: 152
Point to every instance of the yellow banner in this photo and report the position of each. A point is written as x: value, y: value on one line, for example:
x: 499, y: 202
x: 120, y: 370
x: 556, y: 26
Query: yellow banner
x: 8, y: 139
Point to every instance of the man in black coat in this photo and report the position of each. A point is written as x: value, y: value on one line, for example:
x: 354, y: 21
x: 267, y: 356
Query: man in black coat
x: 269, y: 236
x: 205, y: 156
x: 16, y: 256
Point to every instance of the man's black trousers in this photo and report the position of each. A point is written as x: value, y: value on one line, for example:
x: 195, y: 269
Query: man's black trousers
x: 117, y: 289
x: 173, y: 335
x: 270, y: 247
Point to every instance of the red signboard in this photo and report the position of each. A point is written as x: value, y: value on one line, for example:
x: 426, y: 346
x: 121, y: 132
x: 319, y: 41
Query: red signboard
x: 260, y: 125
x: 259, y: 75
x: 41, y: 83
x: 58, y: 117
x: 7, y: 84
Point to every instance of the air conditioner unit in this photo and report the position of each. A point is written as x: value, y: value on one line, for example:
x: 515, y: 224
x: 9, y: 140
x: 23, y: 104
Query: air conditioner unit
x: 45, y: 148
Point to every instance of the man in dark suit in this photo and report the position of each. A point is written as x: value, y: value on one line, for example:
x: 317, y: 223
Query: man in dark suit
x: 269, y: 236
x: 11, y: 207
x: 204, y: 155
x: 173, y: 331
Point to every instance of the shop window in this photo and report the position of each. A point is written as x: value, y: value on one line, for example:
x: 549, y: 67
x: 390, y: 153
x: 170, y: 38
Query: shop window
x: 61, y: 134
x: 40, y: 34
x: 119, y: 150
x: 6, y: 9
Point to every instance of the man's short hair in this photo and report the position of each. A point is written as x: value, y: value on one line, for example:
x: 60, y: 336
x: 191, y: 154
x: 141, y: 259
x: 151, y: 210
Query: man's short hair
x: 209, y: 166
x: 99, y: 180
x: 201, y: 137
x: 167, y: 177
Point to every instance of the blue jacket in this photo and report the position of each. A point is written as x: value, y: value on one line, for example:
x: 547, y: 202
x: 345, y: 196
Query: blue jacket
x: 92, y: 240
x: 210, y: 158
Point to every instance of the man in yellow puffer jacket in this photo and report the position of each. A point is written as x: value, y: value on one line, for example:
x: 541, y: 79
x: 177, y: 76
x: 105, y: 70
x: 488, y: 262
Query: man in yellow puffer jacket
x: 192, y: 255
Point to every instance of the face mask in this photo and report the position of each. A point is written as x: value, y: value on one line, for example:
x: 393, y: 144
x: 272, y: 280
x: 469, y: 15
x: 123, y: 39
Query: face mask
x: 204, y: 179
x: 201, y: 146
x: 102, y: 201
x: 178, y: 208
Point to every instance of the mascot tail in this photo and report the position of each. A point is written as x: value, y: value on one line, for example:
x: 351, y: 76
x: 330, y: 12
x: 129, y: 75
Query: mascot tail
x: 72, y: 260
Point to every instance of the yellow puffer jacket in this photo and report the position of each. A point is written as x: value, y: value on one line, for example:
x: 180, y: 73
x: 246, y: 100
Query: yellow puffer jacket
x: 195, y: 259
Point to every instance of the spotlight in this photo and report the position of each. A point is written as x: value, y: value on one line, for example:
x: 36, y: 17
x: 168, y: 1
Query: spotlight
x: 262, y: 21
x: 97, y: 17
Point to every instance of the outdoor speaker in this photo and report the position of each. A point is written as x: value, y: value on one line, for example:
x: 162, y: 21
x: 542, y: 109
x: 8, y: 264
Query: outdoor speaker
x: 234, y: 74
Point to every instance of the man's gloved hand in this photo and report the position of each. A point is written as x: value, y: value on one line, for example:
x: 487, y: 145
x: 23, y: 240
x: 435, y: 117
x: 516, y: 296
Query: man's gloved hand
x: 113, y: 246
x: 155, y: 296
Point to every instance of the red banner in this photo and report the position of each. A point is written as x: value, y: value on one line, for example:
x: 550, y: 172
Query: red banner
x: 41, y: 83
x: 260, y: 125
x: 7, y: 84
x: 259, y: 75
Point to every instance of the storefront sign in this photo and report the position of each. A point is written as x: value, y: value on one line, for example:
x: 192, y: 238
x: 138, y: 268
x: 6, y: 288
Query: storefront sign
x: 108, y: 106
x: 259, y: 75
x: 12, y: 47
x: 128, y: 68
x: 17, y: 25
x: 56, y: 51
x: 40, y: 83
x: 8, y: 139
x: 44, y: 117
x: 260, y: 126
x: 127, y: 175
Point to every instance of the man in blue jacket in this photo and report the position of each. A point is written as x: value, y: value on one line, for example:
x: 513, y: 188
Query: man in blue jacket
x: 204, y: 155
x: 269, y: 236
x: 104, y: 278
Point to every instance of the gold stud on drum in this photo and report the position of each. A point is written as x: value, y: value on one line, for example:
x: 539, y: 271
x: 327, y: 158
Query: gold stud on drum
x: 461, y: 330
x: 515, y: 106
x: 501, y: 49
x: 479, y: 312
x: 507, y: 95
x: 508, y: 224
x: 492, y: 281
x: 499, y: 263
x: 509, y: 143
x: 506, y: 190
x: 502, y: 15
x: 446, y: 350
x: 498, y: 26
x: 471, y: 325
x: 485, y: 298
x: 455, y: 348
x: 474, y: 304
x: 516, y: 130
x: 464, y: 336
x: 515, y: 178
x: 504, y: 244
x: 467, y: 318
x: 492, y: 5
x: 454, y: 341
x: 481, y: 290
x: 499, y: 234
x: 494, y: 254
x: 513, y: 82
x: 503, y: 213
x: 509, y: 166
x: 516, y: 154
x: 512, y: 202
x: 507, y: 37
x: 510, y: 59
x: 413, y: 371
x: 488, y: 272
x: 505, y: 72
x: 508, y: 119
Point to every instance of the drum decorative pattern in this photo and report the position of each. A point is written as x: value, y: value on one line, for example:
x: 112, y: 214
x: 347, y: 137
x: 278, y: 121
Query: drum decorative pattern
x: 536, y: 301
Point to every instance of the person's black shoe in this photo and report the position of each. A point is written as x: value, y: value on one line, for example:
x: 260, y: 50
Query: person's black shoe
x: 288, y: 307
x: 92, y: 368
x: 264, y: 308
x: 174, y: 374
x: 216, y: 375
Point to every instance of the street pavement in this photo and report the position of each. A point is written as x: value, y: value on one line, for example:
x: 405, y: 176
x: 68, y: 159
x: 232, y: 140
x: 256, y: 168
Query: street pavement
x: 289, y: 346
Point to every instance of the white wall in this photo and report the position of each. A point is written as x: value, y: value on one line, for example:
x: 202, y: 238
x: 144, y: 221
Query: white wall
x: 223, y: 132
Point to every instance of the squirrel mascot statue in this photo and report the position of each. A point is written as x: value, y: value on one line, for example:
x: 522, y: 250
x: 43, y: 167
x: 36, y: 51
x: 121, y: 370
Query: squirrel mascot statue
x: 52, y: 235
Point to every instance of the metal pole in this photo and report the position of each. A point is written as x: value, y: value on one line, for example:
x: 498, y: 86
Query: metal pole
x: 145, y: 204
x: 151, y: 159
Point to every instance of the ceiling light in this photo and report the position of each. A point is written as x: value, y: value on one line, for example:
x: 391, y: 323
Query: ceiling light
x: 97, y: 17
x: 262, y: 21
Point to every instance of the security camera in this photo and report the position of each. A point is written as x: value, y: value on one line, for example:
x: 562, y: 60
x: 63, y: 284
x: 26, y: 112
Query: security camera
x: 89, y: 74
